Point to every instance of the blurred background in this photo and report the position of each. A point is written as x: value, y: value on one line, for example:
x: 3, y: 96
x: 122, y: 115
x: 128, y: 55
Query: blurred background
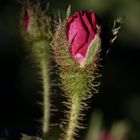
x: 119, y: 94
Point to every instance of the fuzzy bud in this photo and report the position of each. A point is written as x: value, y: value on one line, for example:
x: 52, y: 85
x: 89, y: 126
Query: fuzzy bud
x: 34, y: 24
x: 77, y: 47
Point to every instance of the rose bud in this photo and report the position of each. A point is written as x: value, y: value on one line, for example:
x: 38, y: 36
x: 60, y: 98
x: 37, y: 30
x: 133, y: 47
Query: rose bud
x: 34, y: 24
x: 77, y: 46
x: 83, y: 35
x: 29, y: 24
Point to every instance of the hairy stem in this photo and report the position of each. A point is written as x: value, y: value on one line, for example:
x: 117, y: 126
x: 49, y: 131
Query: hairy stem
x: 46, y: 97
x: 73, y: 118
x: 75, y: 86
x: 41, y: 55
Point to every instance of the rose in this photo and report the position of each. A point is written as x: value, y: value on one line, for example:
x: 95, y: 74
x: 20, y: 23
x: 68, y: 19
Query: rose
x: 81, y: 33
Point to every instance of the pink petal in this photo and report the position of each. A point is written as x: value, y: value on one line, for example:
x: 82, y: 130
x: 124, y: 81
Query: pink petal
x: 89, y: 25
x: 26, y: 20
x: 88, y: 22
x: 79, y: 58
x: 94, y: 20
x: 78, y: 33
x: 81, y: 30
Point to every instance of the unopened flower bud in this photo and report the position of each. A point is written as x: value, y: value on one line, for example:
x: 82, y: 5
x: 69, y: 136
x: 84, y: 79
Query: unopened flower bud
x: 82, y: 33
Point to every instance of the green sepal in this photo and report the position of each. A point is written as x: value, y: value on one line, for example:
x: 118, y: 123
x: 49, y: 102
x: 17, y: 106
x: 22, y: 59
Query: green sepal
x: 93, y: 50
x: 68, y: 12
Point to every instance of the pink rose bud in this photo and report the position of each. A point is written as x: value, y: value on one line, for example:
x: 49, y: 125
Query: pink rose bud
x: 27, y: 20
x: 83, y: 35
x: 32, y: 26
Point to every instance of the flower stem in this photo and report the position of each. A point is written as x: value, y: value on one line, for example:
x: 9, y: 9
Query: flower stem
x: 73, y: 118
x: 46, y: 98
x: 41, y: 57
x: 75, y: 86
